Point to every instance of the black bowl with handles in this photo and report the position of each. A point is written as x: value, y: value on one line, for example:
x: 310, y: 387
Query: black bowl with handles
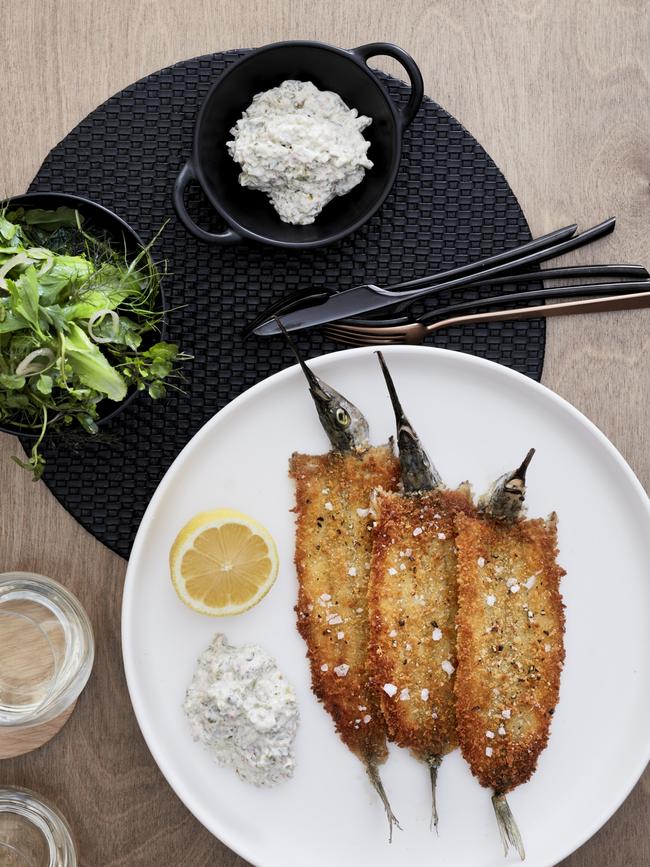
x: 97, y: 219
x: 248, y: 213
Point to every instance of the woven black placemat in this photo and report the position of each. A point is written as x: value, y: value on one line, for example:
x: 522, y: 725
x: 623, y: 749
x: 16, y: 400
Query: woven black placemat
x: 450, y: 204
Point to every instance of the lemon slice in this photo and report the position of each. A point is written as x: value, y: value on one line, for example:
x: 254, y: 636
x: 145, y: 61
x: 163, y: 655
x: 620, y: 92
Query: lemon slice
x: 223, y: 562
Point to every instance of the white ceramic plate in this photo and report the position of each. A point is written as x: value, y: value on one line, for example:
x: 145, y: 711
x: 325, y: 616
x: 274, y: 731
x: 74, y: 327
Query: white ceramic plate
x: 477, y: 420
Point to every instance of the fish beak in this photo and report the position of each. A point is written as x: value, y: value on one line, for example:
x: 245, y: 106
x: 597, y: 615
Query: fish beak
x: 342, y: 421
x: 505, y: 498
x: 516, y: 483
x: 315, y: 385
x: 418, y: 474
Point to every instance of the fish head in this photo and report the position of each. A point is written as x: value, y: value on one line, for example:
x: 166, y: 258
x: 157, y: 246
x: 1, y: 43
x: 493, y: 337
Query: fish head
x: 505, y: 498
x: 343, y: 422
x: 417, y: 471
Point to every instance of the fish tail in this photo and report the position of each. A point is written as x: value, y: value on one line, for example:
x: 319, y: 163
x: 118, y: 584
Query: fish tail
x: 508, y: 829
x: 434, y: 763
x: 375, y: 779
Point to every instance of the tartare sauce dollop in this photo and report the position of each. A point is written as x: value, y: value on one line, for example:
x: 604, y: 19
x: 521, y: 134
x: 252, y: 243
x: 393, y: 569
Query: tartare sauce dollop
x: 241, y: 708
x: 302, y: 147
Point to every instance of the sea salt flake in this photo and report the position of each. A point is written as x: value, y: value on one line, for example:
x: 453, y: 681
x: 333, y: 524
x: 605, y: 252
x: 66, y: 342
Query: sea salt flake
x: 390, y: 689
x: 392, y: 633
x: 424, y: 695
x: 324, y: 667
x: 489, y: 734
x: 530, y: 583
x: 514, y: 588
x: 325, y: 491
x: 407, y: 646
x: 447, y: 666
x: 547, y: 647
x: 404, y: 694
x: 417, y: 531
x: 442, y: 536
x: 367, y: 718
x: 325, y: 597
x: 334, y: 619
x: 363, y: 513
x: 436, y: 635
x: 488, y: 752
x: 481, y: 562
x: 408, y: 552
x: 490, y: 600
x: 362, y: 707
x: 501, y: 730
x: 359, y: 610
x: 341, y: 670
x: 506, y: 713
x: 498, y: 569
x: 434, y: 715
x: 340, y: 635
x: 352, y: 571
x: 402, y: 567
x: 329, y: 506
x: 392, y: 571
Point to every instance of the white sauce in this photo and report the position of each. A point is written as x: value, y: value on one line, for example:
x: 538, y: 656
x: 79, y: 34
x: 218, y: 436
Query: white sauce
x: 302, y: 147
x: 243, y: 710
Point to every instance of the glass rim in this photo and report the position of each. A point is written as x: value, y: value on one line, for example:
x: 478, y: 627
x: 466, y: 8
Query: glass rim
x: 46, y: 818
x: 59, y: 697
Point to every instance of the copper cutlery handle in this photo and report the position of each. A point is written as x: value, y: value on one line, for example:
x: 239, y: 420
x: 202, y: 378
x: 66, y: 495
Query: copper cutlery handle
x: 565, y: 308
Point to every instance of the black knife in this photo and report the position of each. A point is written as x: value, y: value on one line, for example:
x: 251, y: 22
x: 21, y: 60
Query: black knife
x: 367, y: 297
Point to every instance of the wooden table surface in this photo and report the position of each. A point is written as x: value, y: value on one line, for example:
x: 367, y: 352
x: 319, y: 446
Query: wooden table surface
x: 556, y: 91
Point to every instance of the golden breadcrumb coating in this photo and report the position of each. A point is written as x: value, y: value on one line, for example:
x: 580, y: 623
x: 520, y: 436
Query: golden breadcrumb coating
x: 333, y: 553
x: 412, y: 611
x: 510, y: 645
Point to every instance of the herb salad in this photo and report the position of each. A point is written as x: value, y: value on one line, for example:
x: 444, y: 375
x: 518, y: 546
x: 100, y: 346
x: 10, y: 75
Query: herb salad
x: 77, y: 325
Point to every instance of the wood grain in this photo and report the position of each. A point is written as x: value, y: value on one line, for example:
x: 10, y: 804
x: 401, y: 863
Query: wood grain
x: 25, y: 740
x: 555, y: 90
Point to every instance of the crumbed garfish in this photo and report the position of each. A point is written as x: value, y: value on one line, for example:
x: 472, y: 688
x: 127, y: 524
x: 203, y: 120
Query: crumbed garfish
x: 510, y: 641
x: 333, y: 552
x: 412, y: 602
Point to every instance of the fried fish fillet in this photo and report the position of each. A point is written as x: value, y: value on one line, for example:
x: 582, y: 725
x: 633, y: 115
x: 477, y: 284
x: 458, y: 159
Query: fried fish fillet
x: 510, y: 645
x: 333, y: 554
x: 412, y: 611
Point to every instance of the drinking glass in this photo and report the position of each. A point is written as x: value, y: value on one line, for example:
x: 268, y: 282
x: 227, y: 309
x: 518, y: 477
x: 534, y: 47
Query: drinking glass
x: 46, y: 649
x: 33, y: 833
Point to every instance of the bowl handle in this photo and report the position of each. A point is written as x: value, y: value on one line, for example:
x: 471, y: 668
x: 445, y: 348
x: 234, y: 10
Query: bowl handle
x: 373, y: 49
x: 187, y: 174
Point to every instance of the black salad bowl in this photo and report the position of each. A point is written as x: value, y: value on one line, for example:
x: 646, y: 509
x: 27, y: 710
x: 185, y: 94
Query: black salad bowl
x: 248, y: 213
x: 100, y: 221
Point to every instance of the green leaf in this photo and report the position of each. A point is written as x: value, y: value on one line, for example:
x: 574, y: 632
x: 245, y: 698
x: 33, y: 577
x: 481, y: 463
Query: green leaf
x: 44, y: 384
x: 24, y: 294
x: 66, y: 273
x: 51, y: 219
x: 55, y: 316
x: 91, y: 366
x: 16, y: 401
x: 7, y: 229
x: 87, y: 423
x: 12, y: 381
x: 9, y: 321
x: 156, y: 390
